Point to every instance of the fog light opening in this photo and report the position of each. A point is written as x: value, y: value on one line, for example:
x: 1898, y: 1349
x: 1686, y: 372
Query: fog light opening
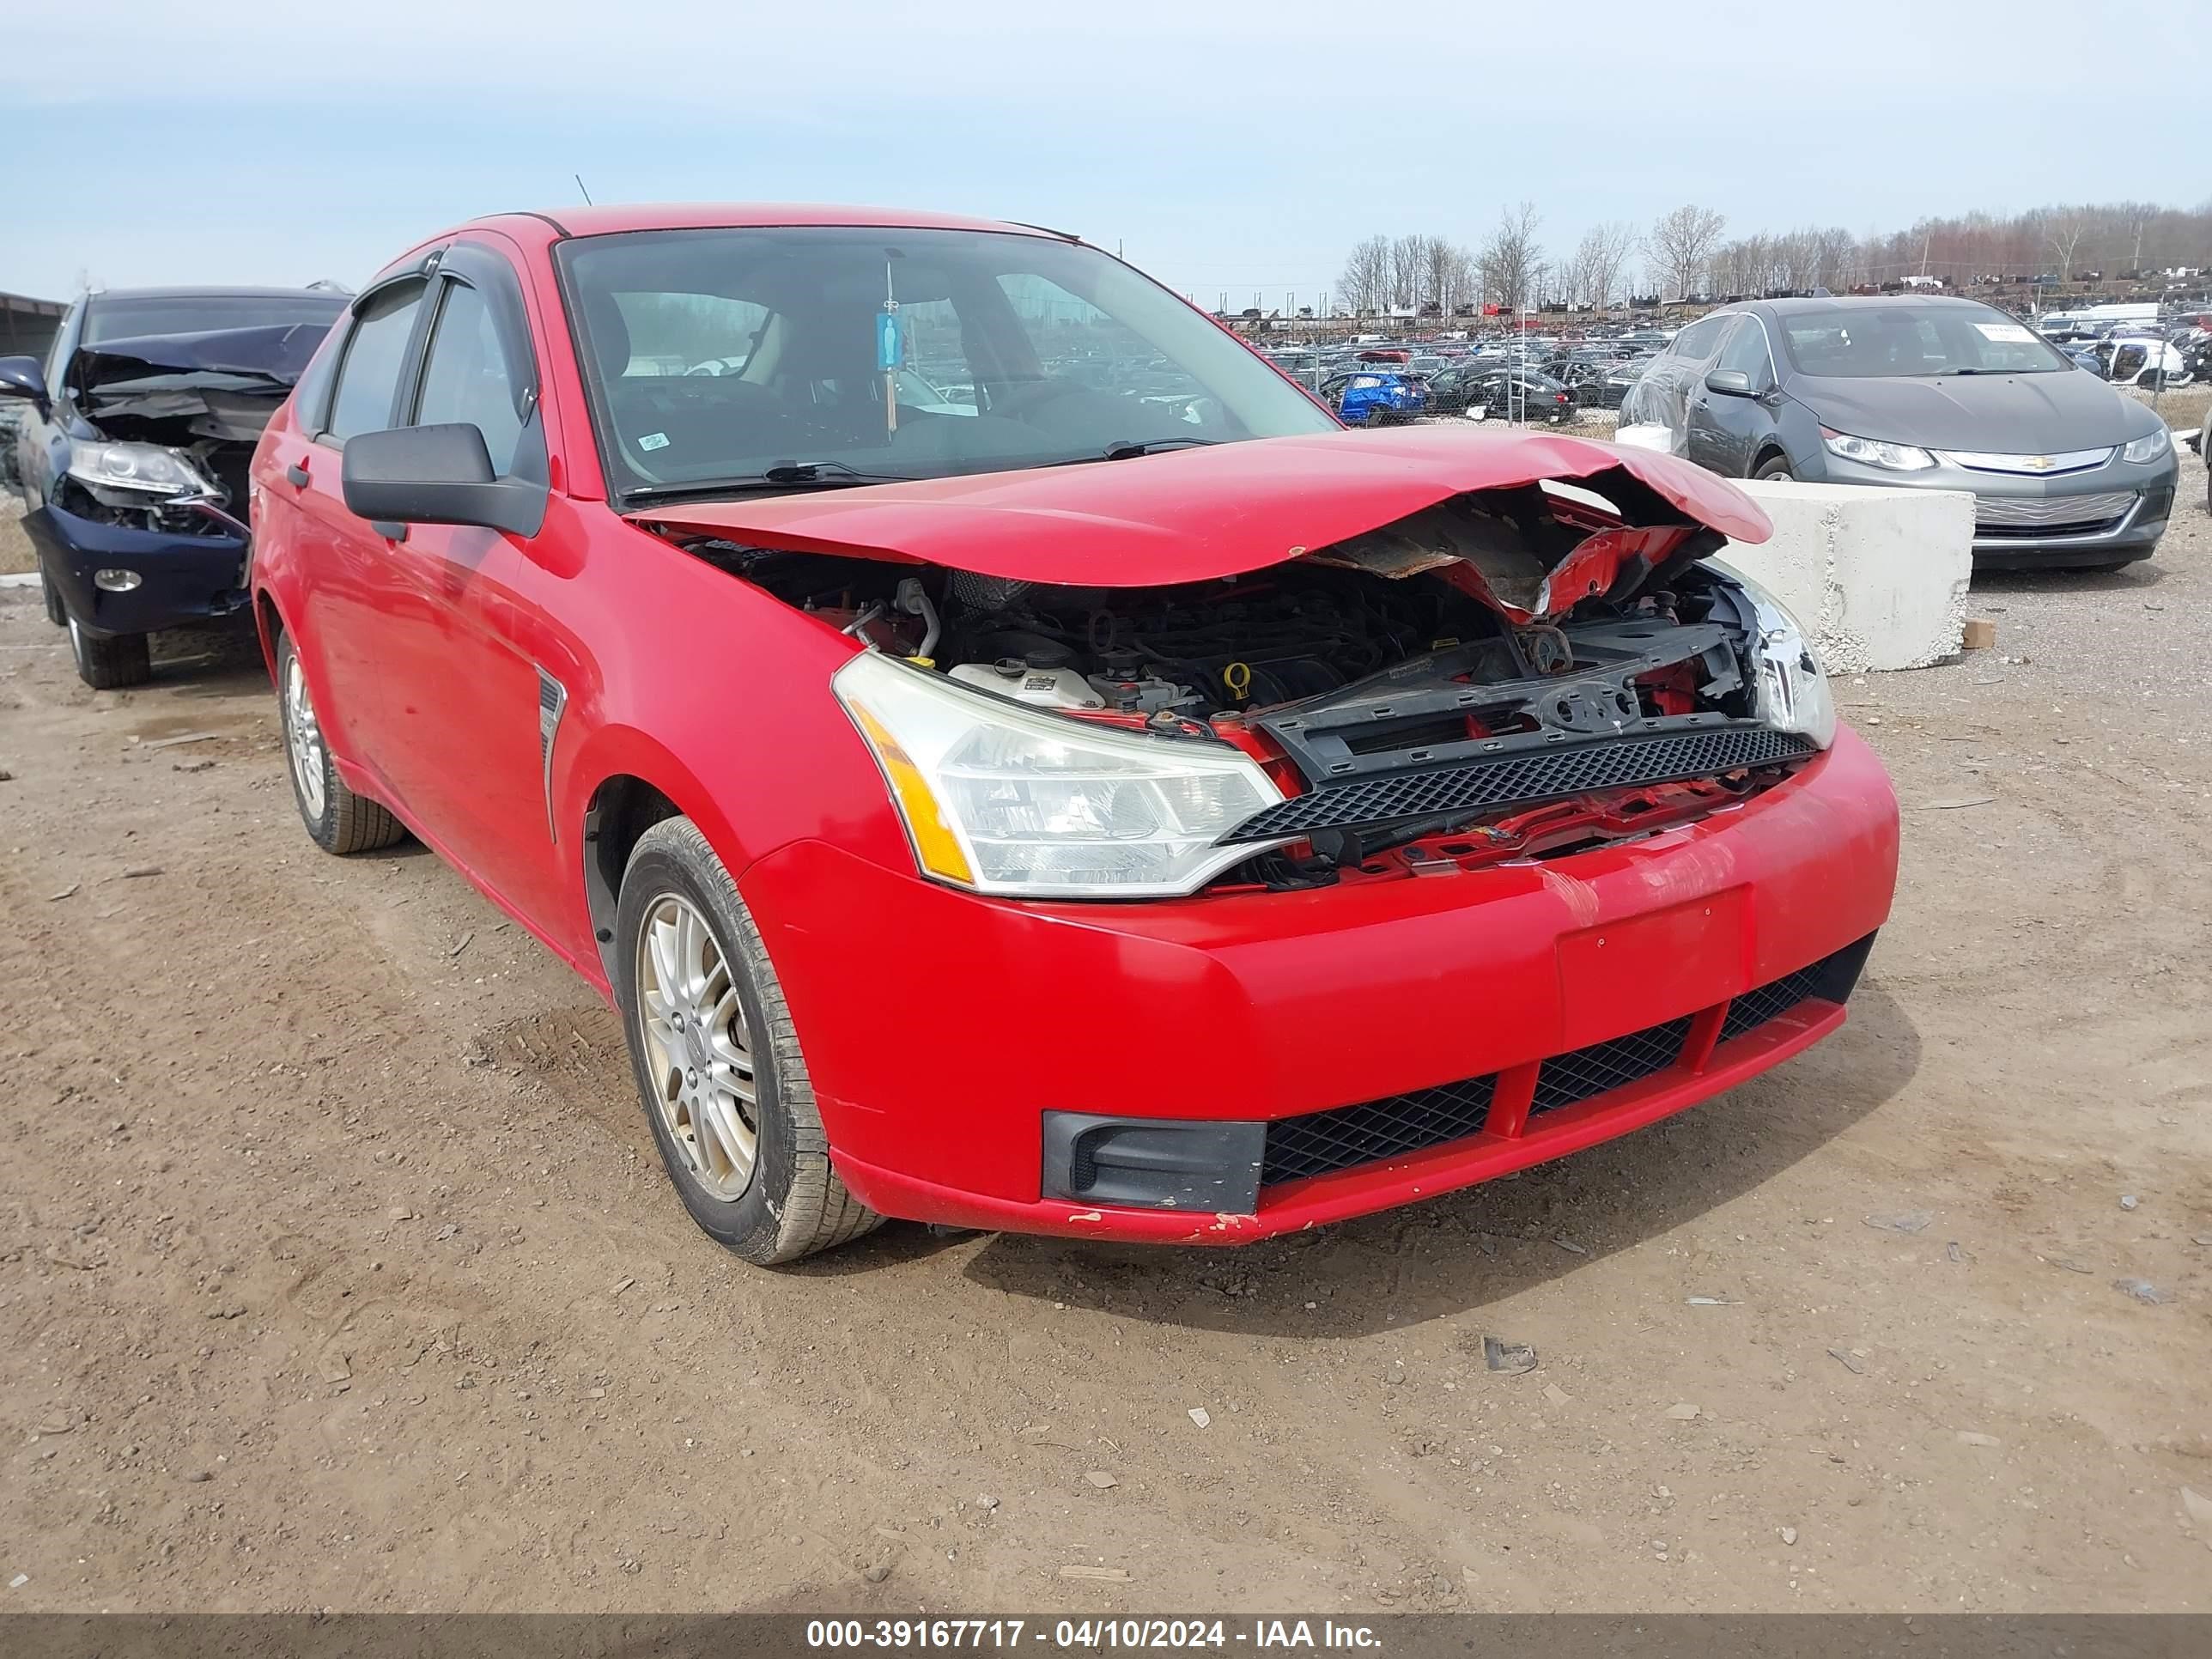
x: 116, y: 581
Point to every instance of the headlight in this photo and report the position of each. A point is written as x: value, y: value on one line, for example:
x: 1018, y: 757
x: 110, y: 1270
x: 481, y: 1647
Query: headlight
x: 143, y: 469
x: 1006, y: 799
x: 1870, y: 452
x: 2148, y: 447
x: 1791, y: 691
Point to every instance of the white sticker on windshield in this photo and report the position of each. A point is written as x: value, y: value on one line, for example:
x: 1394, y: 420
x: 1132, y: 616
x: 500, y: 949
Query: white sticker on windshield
x: 653, y: 440
x: 2011, y: 333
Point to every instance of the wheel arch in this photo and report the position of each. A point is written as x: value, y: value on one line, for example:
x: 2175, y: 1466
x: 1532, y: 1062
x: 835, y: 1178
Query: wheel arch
x: 626, y: 795
x: 269, y: 623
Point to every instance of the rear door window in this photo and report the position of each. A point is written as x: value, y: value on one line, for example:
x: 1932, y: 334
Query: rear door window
x: 1695, y: 344
x: 368, y: 375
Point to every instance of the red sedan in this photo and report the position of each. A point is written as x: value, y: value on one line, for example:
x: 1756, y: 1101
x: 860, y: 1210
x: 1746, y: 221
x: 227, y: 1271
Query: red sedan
x: 1013, y: 760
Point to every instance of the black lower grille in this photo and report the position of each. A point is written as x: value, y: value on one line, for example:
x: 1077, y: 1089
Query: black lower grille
x: 1510, y: 779
x: 1578, y: 1075
x: 1320, y: 1143
x: 1756, y: 1007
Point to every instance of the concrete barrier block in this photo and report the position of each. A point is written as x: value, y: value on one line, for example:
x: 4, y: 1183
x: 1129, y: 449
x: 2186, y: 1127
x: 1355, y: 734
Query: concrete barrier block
x: 1878, y: 577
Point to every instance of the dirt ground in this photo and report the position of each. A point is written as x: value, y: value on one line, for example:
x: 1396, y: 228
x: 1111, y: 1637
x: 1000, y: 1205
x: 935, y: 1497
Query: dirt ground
x: 16, y: 553
x: 337, y: 1270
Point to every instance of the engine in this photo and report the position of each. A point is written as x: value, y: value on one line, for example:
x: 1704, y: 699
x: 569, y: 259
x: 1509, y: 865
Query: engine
x: 1277, y: 636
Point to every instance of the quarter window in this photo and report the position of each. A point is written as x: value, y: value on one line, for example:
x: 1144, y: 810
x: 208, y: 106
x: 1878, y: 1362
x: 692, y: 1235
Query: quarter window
x: 368, y: 379
x: 1696, y: 343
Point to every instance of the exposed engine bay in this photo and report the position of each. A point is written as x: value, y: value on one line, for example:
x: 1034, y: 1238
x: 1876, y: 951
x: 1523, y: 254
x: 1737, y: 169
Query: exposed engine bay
x: 1509, y: 673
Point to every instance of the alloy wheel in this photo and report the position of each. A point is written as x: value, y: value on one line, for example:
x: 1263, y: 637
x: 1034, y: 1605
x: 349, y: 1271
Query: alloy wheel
x: 698, y: 1050
x: 303, y: 736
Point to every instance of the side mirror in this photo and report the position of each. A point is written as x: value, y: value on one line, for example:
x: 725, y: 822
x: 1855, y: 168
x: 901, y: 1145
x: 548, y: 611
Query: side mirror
x: 1730, y: 383
x: 23, y: 377
x: 436, y: 475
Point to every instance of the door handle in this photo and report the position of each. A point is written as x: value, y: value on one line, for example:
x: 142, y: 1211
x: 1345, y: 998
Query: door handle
x: 297, y: 474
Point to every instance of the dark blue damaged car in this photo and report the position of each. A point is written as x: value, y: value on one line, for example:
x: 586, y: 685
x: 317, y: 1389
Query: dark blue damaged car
x: 132, y: 452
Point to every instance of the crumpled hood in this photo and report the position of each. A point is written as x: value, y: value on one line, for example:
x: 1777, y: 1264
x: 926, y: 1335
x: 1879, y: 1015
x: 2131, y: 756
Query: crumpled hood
x: 1992, y: 414
x: 1197, y: 514
x: 276, y: 354
x: 169, y: 388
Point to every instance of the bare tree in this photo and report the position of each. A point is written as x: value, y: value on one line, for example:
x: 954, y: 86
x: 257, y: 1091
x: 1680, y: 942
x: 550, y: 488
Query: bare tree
x: 1513, y: 260
x: 1446, y: 275
x: 1603, y: 260
x: 1365, y: 282
x: 2062, y: 234
x: 1680, y: 244
x: 1837, y: 264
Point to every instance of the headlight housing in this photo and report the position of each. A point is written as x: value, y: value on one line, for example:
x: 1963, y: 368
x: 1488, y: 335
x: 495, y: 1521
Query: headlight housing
x: 1789, y: 690
x: 135, y: 475
x: 1011, y: 800
x: 2148, y: 447
x: 1872, y: 451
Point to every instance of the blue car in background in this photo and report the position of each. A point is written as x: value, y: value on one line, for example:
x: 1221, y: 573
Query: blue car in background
x: 1368, y: 396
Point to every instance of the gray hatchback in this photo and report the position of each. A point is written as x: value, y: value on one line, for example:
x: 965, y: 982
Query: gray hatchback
x: 1928, y: 393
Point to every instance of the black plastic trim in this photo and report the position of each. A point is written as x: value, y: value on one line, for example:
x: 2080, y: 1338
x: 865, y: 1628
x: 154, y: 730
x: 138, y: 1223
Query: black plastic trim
x: 1527, y: 775
x: 1201, y: 1164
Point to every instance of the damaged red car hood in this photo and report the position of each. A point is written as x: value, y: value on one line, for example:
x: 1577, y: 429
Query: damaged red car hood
x: 1196, y: 514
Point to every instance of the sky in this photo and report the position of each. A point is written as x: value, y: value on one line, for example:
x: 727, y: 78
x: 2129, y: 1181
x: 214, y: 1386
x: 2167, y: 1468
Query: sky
x: 1226, y: 149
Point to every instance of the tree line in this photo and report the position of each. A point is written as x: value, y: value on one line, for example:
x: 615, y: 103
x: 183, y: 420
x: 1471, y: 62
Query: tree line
x: 1686, y: 253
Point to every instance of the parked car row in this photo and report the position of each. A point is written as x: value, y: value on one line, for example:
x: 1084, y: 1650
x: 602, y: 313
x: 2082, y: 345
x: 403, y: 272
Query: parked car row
x: 1099, y: 699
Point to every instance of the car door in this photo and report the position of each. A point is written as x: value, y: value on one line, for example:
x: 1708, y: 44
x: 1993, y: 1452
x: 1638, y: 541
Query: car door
x: 1726, y: 432
x: 346, y: 593
x: 1679, y: 382
x: 462, y: 700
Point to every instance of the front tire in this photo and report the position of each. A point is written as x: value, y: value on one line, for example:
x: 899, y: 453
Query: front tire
x: 56, y: 613
x: 110, y: 662
x: 338, y: 820
x: 716, y: 1058
x: 1774, y: 466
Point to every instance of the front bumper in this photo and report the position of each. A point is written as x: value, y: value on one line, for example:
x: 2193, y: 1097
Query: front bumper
x: 2100, y: 515
x: 984, y: 1016
x: 183, y: 578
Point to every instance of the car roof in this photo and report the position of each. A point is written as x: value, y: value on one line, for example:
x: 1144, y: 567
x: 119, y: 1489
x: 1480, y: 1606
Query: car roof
x: 613, y: 219
x: 1860, y: 302
x: 535, y: 228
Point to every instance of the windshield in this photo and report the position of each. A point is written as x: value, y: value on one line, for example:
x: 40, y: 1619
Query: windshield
x: 113, y: 318
x: 1875, y: 342
x: 717, y: 355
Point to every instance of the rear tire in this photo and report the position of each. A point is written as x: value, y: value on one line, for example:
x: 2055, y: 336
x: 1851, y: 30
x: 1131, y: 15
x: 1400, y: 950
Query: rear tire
x: 1774, y: 466
x: 110, y: 662
x: 338, y: 820
x: 680, y: 921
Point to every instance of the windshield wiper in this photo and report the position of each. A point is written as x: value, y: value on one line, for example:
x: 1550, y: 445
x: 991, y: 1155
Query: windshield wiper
x: 1124, y: 449
x: 784, y: 474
